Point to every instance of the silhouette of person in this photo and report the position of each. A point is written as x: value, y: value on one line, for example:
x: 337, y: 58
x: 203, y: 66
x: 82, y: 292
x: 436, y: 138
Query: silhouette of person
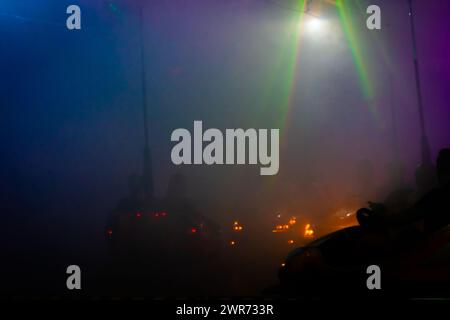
x: 136, y: 198
x: 396, y: 201
x: 433, y: 208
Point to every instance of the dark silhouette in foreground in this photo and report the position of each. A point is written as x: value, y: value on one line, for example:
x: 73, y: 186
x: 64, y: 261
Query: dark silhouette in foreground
x: 410, y: 247
x: 431, y: 211
x: 159, y: 244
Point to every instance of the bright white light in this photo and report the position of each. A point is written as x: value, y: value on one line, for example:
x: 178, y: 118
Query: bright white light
x: 314, y: 24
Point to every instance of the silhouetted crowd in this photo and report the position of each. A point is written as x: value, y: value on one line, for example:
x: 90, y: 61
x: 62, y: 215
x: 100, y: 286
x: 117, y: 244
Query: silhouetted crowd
x: 428, y: 212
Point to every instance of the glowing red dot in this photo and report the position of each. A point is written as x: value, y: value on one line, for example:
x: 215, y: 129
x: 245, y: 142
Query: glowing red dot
x: 193, y: 230
x: 138, y: 215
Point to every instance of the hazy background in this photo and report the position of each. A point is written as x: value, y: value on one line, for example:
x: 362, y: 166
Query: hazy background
x: 71, y: 122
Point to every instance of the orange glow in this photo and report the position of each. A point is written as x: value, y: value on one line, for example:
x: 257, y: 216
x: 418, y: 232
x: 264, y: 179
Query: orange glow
x: 343, y: 218
x: 232, y: 243
x: 280, y: 228
x: 237, y: 227
x: 290, y: 241
x: 283, y: 264
x: 292, y: 221
x: 308, y: 233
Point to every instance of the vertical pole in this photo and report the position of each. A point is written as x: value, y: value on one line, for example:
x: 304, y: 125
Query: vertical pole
x: 425, y: 146
x: 147, y: 165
